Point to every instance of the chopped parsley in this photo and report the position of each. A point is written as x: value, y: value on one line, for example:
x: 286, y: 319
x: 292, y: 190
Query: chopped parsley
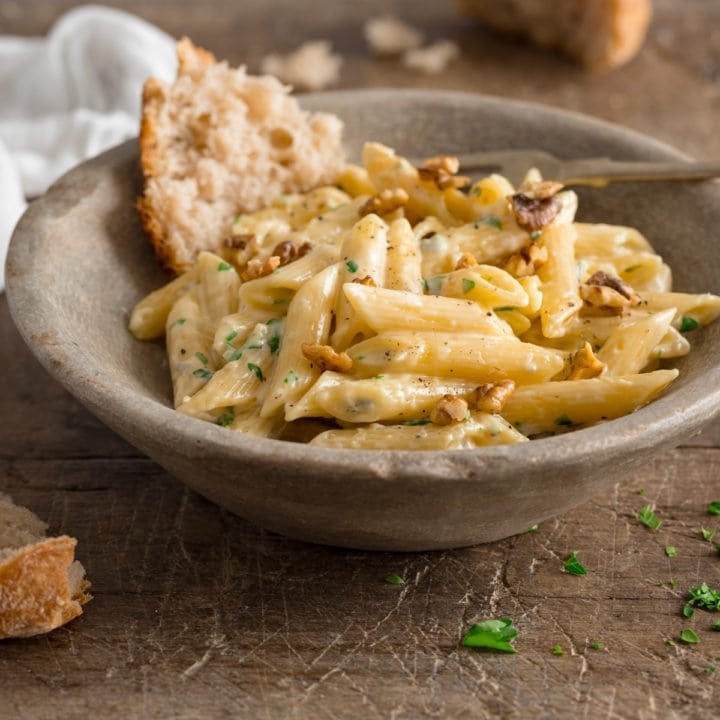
x: 705, y: 597
x: 707, y: 534
x: 379, y: 377
x: 640, y: 491
x: 492, y: 635
x: 491, y: 220
x: 670, y: 551
x: 201, y: 357
x: 433, y: 285
x: 226, y: 418
x: 688, y: 323
x: 203, y: 373
x: 257, y: 370
x: 597, y: 645
x: 536, y: 234
x: 573, y: 566
x: 646, y: 515
x: 236, y: 355
x: 715, y: 626
x: 563, y: 420
x: 394, y: 579
x: 714, y: 508
x: 689, y: 637
x: 557, y: 650
x: 274, y: 343
x: 504, y: 308
x: 179, y: 321
x: 224, y: 266
x: 351, y: 266
x: 467, y: 285
x: 688, y: 610
x: 231, y: 336
x: 418, y: 421
x: 632, y: 268
x: 254, y: 346
x: 291, y: 378
x: 532, y: 528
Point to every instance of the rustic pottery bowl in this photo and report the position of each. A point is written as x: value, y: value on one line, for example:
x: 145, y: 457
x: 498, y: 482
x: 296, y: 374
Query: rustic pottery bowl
x: 79, y: 261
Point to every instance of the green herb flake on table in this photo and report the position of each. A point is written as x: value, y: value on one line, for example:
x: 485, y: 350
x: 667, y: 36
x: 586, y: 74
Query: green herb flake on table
x: 573, y: 566
x: 492, y: 635
x: 646, y: 515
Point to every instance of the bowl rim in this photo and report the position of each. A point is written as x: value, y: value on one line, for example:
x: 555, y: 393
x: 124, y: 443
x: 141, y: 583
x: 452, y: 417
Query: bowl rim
x: 665, y: 420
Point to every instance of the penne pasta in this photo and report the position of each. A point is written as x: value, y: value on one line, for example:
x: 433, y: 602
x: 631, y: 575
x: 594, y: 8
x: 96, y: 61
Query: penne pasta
x: 479, y: 431
x: 382, y: 309
x: 560, y: 299
x: 389, y: 398
x: 630, y: 347
x: 404, y: 260
x: 556, y: 406
x: 308, y: 321
x: 482, y: 358
x: 364, y: 257
x: 149, y: 316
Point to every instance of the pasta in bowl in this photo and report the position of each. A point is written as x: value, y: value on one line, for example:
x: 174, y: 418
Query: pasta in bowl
x: 415, y: 313
x: 80, y: 261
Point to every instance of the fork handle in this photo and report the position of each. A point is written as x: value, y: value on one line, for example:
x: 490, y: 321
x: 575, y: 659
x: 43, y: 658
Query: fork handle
x: 599, y: 173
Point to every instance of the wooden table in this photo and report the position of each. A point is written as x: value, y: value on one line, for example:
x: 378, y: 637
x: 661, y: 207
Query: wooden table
x: 197, y: 614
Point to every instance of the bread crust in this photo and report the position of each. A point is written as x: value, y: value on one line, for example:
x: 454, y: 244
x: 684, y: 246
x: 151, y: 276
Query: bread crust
x: 195, y: 183
x: 601, y: 34
x: 36, y: 595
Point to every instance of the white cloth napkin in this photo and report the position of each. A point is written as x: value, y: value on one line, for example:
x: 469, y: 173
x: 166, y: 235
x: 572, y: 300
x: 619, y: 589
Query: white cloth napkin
x: 70, y: 96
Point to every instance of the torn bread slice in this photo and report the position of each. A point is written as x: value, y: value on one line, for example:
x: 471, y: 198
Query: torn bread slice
x: 601, y: 34
x: 41, y: 585
x: 219, y: 142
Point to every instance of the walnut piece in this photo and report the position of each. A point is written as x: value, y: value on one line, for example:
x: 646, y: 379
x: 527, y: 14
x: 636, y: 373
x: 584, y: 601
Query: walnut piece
x: 258, y: 268
x: 608, y: 291
x: 541, y: 190
x: 326, y: 358
x: 585, y: 365
x: 527, y: 261
x: 238, y: 241
x: 491, y: 397
x: 288, y: 252
x: 536, y: 204
x: 465, y: 261
x: 385, y: 202
x: 450, y: 409
x: 238, y: 248
x: 448, y: 163
x: 442, y: 170
x: 367, y: 280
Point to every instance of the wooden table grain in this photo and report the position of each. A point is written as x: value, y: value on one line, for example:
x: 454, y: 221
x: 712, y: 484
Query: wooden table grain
x: 198, y: 614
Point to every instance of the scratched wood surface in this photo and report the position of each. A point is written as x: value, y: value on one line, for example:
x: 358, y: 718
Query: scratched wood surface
x: 197, y: 614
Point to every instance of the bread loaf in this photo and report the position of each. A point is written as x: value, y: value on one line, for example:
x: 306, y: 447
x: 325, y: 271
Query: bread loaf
x: 41, y: 585
x: 219, y: 142
x: 601, y: 34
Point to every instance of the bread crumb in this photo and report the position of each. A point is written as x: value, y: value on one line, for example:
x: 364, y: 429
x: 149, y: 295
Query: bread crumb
x: 313, y: 66
x: 433, y: 59
x: 387, y: 35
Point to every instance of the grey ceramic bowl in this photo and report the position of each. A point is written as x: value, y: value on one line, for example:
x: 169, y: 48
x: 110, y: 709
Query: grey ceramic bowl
x: 79, y: 261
